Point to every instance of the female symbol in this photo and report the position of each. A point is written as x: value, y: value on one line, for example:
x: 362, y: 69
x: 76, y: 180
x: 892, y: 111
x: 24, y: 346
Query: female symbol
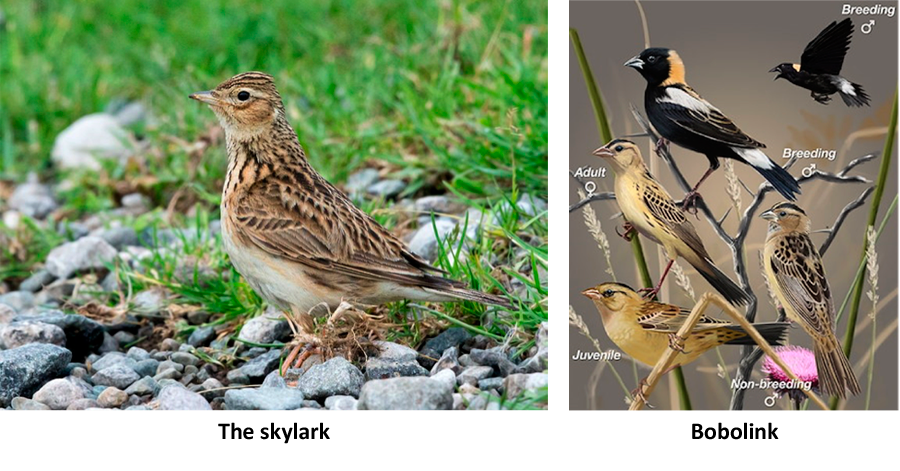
x: 590, y: 187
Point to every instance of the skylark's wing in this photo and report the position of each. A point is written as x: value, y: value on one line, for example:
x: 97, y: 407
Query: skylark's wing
x: 800, y: 276
x: 308, y: 221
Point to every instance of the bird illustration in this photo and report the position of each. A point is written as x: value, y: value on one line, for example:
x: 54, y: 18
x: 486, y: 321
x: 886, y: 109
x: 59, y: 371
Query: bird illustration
x: 681, y: 115
x: 295, y: 238
x: 797, y: 275
x: 644, y: 329
x: 820, y: 65
x: 649, y: 210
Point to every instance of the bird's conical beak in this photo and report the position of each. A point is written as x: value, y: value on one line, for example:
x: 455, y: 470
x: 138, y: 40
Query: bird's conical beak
x: 205, y: 97
x: 774, y: 69
x: 768, y: 215
x: 591, y: 293
x: 603, y: 152
x: 635, y: 63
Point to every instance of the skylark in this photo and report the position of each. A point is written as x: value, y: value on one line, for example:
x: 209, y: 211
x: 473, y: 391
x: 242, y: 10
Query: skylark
x: 296, y: 239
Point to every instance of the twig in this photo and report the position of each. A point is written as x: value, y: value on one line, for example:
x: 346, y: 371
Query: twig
x: 841, y: 217
x: 665, y: 362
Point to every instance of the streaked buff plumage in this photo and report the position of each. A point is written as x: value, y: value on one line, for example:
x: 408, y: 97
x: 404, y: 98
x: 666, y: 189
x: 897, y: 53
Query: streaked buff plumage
x: 296, y: 239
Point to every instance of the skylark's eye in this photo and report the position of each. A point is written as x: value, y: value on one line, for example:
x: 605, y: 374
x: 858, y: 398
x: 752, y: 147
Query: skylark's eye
x: 651, y: 59
x: 244, y: 95
x: 782, y: 214
x: 619, y: 148
x: 608, y: 293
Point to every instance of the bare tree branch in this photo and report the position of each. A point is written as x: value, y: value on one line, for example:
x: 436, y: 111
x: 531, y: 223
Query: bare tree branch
x: 843, y: 215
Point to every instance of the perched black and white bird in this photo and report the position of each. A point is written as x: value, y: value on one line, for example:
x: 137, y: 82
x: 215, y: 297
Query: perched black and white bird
x: 820, y: 65
x: 681, y: 115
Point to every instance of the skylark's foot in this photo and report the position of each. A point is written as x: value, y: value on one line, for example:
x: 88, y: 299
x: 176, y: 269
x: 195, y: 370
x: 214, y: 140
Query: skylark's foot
x: 689, y: 204
x: 649, y: 293
x: 638, y: 393
x: 662, y: 145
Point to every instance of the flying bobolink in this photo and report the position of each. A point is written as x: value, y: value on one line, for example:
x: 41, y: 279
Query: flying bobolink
x: 820, y: 65
x: 649, y: 209
x: 296, y: 239
x: 797, y: 275
x: 641, y: 328
x: 682, y: 116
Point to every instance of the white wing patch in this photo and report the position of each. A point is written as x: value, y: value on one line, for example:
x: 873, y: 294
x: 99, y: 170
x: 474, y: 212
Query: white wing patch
x: 845, y: 86
x: 754, y: 157
x: 682, y: 98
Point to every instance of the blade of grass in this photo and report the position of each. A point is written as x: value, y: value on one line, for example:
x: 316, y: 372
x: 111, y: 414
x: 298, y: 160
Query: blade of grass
x: 873, y: 215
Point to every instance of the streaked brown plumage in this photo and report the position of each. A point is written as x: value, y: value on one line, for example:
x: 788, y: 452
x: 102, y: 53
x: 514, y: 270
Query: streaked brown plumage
x: 642, y: 328
x: 296, y: 239
x: 797, y: 275
x: 650, y: 210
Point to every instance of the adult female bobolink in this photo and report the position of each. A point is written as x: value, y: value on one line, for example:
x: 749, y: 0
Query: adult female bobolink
x: 797, y: 275
x: 682, y: 116
x: 649, y: 209
x: 642, y: 328
x: 820, y: 65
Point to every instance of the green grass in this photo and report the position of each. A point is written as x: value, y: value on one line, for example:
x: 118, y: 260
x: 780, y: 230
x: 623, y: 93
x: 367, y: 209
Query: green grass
x: 450, y: 96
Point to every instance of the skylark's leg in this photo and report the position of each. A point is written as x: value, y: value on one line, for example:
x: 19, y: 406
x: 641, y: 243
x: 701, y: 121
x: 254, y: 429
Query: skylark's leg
x: 690, y: 200
x: 677, y: 343
x: 638, y: 393
x: 662, y: 145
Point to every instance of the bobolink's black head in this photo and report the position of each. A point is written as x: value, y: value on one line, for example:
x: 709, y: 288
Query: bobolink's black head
x: 785, y: 70
x: 659, y: 66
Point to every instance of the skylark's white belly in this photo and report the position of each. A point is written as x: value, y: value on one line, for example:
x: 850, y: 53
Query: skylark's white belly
x: 280, y: 282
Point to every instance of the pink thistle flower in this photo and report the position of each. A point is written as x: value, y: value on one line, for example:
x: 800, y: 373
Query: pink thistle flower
x: 802, y: 363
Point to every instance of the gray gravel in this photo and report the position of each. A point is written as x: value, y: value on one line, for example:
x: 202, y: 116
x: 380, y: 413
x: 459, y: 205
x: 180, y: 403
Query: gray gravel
x: 87, y: 253
x: 177, y: 398
x: 25, y: 369
x: 336, y: 376
x: 119, y: 376
x: 58, y: 394
x: 416, y: 393
x: 264, y: 399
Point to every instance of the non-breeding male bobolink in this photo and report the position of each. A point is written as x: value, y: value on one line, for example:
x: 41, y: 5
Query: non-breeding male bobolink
x: 642, y: 328
x: 797, y: 275
x: 820, y: 65
x: 682, y: 116
x: 296, y: 239
x: 649, y: 209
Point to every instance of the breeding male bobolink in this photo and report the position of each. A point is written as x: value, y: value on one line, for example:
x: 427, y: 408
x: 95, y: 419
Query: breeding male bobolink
x: 797, y: 275
x: 820, y: 65
x: 296, y: 239
x: 682, y: 116
x: 649, y: 209
x: 642, y: 328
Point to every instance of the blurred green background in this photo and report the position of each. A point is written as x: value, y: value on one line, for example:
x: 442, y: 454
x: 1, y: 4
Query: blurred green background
x: 444, y: 91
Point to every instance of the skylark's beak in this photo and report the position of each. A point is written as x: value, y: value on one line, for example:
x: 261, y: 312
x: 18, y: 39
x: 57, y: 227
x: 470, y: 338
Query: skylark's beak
x: 774, y: 69
x: 604, y: 152
x: 592, y: 293
x: 205, y: 97
x: 768, y: 215
x: 635, y: 62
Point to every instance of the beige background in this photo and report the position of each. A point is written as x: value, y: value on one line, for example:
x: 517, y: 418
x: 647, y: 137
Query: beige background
x: 728, y: 47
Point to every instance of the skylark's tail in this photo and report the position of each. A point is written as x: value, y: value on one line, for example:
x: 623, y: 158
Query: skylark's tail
x: 456, y: 293
x: 835, y: 373
x: 780, y: 179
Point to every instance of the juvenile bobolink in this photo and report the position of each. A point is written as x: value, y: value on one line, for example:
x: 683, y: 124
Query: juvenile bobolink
x: 820, y: 65
x: 295, y: 238
x: 649, y: 209
x: 682, y: 116
x: 642, y: 328
x: 797, y: 275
